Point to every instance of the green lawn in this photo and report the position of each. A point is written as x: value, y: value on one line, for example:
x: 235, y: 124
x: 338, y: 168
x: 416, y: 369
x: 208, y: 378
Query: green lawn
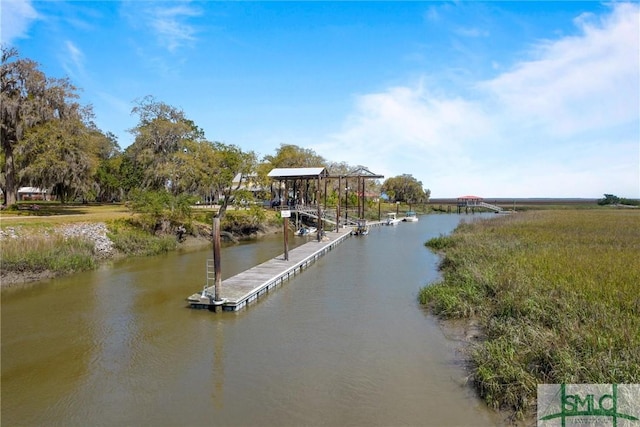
x: 53, y: 213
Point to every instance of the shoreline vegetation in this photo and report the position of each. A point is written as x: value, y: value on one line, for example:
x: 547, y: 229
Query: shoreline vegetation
x: 42, y: 240
x: 55, y: 240
x: 554, y: 296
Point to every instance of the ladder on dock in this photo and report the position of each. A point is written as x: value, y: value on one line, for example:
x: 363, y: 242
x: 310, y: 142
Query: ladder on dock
x: 211, y: 277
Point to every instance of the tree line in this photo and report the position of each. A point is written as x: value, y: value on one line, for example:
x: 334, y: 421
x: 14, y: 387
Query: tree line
x: 612, y: 199
x: 50, y: 141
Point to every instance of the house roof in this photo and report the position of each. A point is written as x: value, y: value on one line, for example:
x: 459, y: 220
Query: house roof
x: 296, y: 173
x: 31, y: 190
x: 469, y: 198
x: 246, y: 178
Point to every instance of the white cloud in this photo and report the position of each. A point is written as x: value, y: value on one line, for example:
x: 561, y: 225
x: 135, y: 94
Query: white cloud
x: 406, y: 125
x: 578, y: 84
x: 73, y: 60
x: 170, y: 26
x: 565, y: 123
x: 15, y: 19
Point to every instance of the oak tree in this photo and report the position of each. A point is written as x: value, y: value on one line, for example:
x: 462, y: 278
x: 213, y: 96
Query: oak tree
x: 162, y: 133
x: 405, y: 188
x: 48, y: 139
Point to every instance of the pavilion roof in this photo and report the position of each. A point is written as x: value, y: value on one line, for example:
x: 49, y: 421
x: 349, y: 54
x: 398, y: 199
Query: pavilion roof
x: 361, y: 171
x: 297, y: 173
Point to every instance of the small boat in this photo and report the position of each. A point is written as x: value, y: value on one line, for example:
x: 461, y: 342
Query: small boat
x: 410, y: 216
x: 361, y: 229
x: 392, y: 219
x: 304, y: 231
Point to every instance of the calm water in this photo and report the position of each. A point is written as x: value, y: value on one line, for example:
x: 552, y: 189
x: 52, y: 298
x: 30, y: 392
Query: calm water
x: 344, y: 343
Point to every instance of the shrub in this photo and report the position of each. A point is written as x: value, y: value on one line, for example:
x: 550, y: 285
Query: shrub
x: 439, y: 243
x: 131, y: 240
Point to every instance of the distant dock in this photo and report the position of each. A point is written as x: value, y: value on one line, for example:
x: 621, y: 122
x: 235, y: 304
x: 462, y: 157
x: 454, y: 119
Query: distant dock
x: 248, y: 286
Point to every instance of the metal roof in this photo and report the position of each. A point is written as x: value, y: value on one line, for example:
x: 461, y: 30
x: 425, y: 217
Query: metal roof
x: 361, y: 171
x: 296, y: 172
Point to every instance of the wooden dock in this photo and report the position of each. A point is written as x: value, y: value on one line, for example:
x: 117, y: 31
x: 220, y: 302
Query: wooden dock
x: 248, y: 286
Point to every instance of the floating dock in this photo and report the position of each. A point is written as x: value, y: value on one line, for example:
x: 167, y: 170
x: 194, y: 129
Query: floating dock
x: 243, y: 288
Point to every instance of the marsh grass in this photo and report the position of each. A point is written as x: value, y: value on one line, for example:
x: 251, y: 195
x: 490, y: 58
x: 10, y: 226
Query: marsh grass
x: 557, y: 294
x: 39, y: 253
x: 133, y: 240
x: 41, y: 249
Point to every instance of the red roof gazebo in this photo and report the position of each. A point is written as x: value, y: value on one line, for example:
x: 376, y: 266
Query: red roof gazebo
x: 469, y: 200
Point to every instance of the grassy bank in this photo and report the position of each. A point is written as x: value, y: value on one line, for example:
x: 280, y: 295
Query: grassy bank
x: 39, y: 253
x: 557, y: 294
x: 35, y: 247
x: 130, y: 239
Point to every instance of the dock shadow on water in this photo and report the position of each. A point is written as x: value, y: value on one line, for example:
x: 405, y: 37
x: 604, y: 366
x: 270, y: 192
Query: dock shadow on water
x: 343, y: 343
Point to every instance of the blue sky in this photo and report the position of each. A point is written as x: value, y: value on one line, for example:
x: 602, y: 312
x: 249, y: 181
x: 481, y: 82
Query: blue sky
x: 496, y: 99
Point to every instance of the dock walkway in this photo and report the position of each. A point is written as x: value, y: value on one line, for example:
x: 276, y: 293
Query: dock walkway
x: 243, y: 288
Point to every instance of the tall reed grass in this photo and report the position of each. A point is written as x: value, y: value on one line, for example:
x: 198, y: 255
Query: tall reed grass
x: 39, y: 249
x: 557, y: 294
x: 39, y: 253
